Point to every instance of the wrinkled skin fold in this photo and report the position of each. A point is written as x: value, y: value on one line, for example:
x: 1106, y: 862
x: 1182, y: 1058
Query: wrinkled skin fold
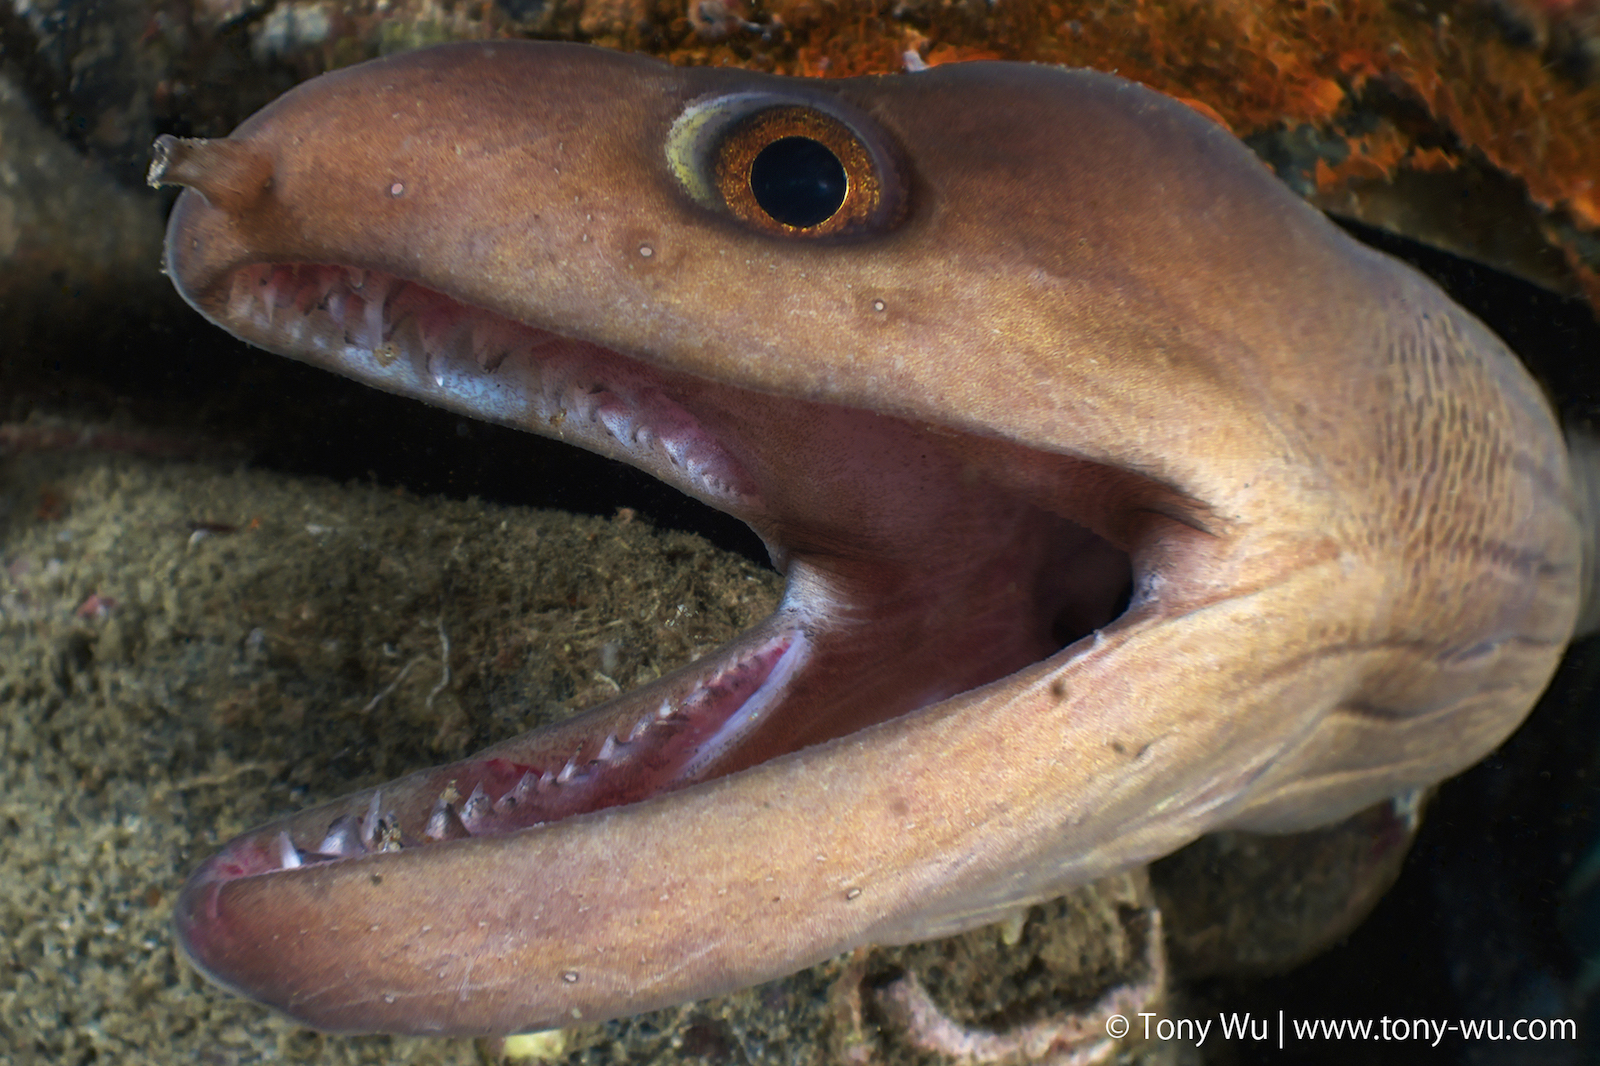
x: 1120, y: 496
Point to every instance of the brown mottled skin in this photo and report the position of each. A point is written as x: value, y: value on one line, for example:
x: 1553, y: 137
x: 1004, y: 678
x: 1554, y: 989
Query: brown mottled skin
x: 1344, y: 510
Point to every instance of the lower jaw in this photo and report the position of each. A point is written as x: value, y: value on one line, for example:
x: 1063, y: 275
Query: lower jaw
x: 657, y: 739
x: 796, y: 679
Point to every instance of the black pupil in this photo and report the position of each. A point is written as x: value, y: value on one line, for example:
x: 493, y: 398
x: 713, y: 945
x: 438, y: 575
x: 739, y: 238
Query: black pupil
x: 798, y: 181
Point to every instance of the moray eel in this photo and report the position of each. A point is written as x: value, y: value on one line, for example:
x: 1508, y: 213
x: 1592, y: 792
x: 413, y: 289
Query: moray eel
x: 1120, y: 497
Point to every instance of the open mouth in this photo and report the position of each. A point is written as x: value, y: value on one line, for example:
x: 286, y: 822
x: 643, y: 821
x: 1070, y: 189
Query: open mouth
x: 921, y: 564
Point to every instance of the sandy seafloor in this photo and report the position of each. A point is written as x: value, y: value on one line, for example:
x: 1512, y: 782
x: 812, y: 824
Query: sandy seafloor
x: 189, y: 649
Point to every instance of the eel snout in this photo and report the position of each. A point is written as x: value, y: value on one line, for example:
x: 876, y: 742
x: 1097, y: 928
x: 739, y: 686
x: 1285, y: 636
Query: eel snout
x: 1119, y: 498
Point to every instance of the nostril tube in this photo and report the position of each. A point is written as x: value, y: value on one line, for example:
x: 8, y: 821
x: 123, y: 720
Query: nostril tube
x: 231, y: 175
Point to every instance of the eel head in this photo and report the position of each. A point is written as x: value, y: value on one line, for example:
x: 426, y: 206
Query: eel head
x: 1120, y: 498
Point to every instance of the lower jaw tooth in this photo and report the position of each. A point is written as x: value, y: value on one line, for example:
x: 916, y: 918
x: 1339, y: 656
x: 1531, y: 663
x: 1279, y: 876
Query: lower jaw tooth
x: 288, y: 855
x: 445, y: 824
x: 369, y: 823
x: 343, y: 837
x: 477, y: 805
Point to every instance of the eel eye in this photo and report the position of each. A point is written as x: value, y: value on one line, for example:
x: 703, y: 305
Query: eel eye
x: 788, y: 169
x: 793, y: 170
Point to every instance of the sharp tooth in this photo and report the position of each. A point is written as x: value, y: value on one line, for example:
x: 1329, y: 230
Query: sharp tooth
x: 525, y: 786
x: 369, y: 823
x: 638, y: 729
x: 343, y: 837
x: 446, y: 328
x: 489, y: 344
x: 567, y: 771
x: 240, y: 298
x: 664, y: 711
x: 321, y: 288
x: 608, y: 750
x: 269, y: 295
x: 336, y: 308
x: 288, y: 857
x: 547, y: 779
x: 587, y: 401
x: 445, y: 824
x: 374, y: 317
x: 477, y: 805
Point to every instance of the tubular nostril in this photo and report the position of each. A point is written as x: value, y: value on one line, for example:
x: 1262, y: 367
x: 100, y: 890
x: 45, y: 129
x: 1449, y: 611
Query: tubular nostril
x: 231, y: 175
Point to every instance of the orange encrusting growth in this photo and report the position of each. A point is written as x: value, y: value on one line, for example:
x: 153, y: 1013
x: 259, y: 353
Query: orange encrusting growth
x: 1463, y: 90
